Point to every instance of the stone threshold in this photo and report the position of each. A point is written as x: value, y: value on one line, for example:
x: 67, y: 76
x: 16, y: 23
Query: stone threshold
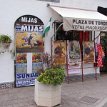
x: 6, y: 85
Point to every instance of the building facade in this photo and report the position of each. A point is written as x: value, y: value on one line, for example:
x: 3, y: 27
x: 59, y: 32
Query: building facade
x: 11, y: 10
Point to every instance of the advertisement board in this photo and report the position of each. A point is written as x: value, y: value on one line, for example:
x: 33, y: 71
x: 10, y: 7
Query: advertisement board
x: 59, y: 52
x: 29, y: 48
x: 74, y: 57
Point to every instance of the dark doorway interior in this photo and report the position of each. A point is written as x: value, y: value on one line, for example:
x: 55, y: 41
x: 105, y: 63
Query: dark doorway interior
x: 102, y: 10
x: 103, y: 40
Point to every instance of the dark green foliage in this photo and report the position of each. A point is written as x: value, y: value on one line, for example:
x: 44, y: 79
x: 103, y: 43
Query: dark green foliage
x: 5, y: 39
x: 104, y: 45
x: 104, y: 42
x: 52, y: 76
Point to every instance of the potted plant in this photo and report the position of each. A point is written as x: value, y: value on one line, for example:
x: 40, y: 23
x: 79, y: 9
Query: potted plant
x: 48, y: 87
x: 5, y: 40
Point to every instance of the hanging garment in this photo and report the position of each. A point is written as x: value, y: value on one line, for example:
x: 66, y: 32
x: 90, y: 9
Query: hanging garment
x: 100, y: 55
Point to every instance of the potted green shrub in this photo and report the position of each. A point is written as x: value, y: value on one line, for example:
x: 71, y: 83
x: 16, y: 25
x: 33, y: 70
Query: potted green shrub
x: 5, y: 40
x: 48, y: 87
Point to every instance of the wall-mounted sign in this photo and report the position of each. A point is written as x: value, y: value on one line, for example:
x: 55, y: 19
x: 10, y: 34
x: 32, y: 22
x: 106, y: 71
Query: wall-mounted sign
x: 84, y: 24
x: 29, y: 31
x: 29, y: 48
x: 25, y: 79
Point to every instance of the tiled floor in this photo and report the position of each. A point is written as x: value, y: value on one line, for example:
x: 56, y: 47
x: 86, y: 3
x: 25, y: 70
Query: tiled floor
x: 73, y: 94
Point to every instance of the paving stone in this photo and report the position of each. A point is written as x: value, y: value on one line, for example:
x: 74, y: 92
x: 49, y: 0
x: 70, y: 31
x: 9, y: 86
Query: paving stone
x: 71, y: 94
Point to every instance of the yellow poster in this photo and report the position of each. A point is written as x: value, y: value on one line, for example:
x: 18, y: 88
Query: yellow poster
x: 21, y: 58
x: 59, y: 52
x: 36, y: 57
x: 88, y: 52
x: 29, y: 42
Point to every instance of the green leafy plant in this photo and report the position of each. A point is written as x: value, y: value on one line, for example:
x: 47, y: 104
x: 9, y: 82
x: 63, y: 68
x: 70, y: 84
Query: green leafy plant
x: 104, y: 45
x: 52, y: 76
x: 5, y: 39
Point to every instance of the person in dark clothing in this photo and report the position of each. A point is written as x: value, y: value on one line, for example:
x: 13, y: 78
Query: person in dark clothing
x: 29, y: 40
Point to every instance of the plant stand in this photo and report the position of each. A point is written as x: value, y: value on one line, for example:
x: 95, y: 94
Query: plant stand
x: 47, y: 95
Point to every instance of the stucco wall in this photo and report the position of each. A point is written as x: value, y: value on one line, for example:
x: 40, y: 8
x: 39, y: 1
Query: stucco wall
x: 84, y: 4
x: 10, y: 10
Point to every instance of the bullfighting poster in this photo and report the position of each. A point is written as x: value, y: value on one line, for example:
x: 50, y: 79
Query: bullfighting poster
x: 59, y: 52
x: 21, y: 63
x: 74, y: 57
x: 28, y: 34
x: 88, y: 52
x: 29, y: 47
x: 29, y: 42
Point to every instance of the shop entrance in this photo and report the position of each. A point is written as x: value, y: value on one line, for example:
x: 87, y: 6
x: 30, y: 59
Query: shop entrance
x: 84, y: 21
x: 74, y: 49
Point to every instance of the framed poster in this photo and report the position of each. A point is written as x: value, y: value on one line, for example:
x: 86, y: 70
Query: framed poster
x: 37, y: 64
x: 29, y: 42
x: 59, y: 52
x: 29, y: 47
x: 21, y: 63
x: 88, y: 52
x: 74, y: 57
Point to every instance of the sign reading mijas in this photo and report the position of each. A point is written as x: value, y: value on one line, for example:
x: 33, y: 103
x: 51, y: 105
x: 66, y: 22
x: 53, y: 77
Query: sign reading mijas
x: 29, y: 23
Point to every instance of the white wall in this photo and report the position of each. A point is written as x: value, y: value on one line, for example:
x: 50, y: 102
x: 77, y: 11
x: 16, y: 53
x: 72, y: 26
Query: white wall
x: 10, y: 10
x: 84, y: 4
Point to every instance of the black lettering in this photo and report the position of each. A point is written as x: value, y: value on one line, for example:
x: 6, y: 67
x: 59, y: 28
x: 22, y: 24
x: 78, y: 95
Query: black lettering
x: 74, y: 20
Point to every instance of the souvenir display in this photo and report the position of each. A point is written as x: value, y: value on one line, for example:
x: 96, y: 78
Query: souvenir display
x: 100, y: 55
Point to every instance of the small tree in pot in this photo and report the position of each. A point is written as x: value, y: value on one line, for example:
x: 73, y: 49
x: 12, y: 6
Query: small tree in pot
x: 48, y: 87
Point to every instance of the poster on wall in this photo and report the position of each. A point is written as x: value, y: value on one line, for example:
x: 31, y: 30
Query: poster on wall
x: 28, y: 34
x: 37, y: 64
x: 29, y: 42
x: 88, y: 52
x: 29, y: 47
x: 23, y: 75
x: 74, y: 57
x: 59, y: 52
x: 21, y: 62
